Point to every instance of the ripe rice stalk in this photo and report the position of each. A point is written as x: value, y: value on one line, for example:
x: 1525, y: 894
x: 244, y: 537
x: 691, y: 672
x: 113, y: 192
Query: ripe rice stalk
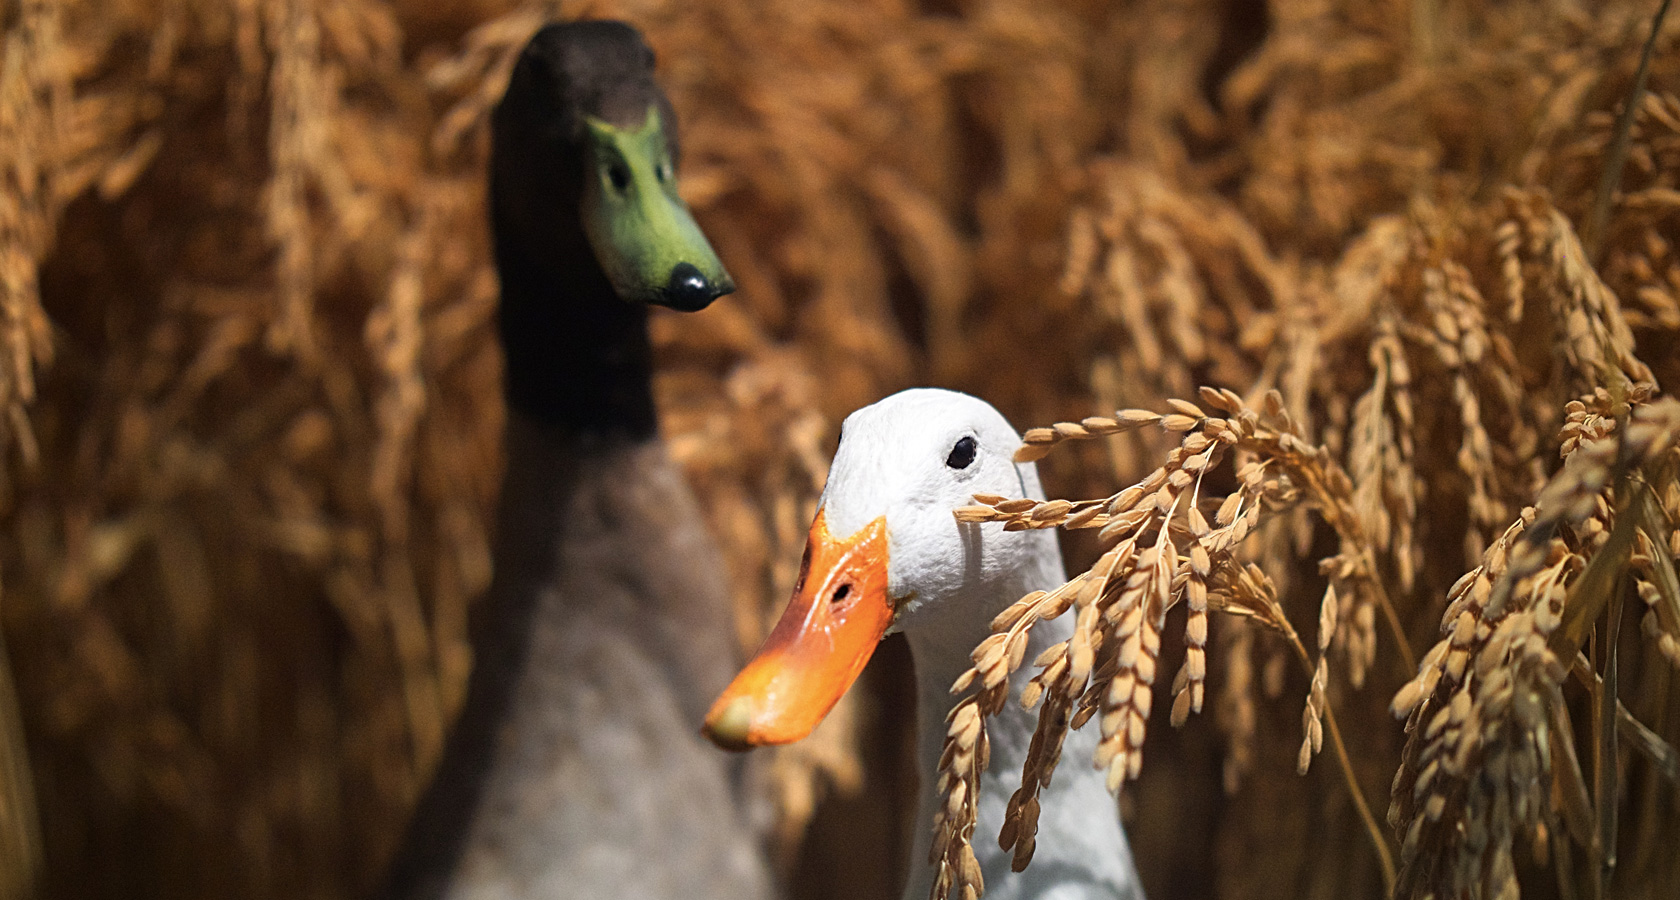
x: 34, y: 96
x: 1529, y: 605
x: 1479, y: 758
x: 1427, y: 314
x: 1164, y: 551
x: 245, y: 272
x: 271, y: 439
x: 20, y: 839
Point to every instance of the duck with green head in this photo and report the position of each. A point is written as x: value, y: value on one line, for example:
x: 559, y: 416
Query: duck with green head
x: 574, y: 769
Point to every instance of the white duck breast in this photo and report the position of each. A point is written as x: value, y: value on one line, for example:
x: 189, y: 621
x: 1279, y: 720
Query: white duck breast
x: 886, y: 553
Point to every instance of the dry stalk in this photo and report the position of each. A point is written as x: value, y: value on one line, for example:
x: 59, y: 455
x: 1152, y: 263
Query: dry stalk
x: 1162, y: 550
x: 874, y: 174
x: 1461, y: 342
x: 35, y: 108
x: 1618, y: 150
x: 1249, y: 593
x: 1381, y: 454
x: 1485, y: 714
x: 1593, y: 336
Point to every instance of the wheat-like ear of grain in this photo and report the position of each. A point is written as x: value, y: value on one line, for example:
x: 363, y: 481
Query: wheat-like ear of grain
x: 239, y: 556
x: 35, y: 114
x: 1163, y: 550
x: 1483, y: 697
x: 1485, y: 715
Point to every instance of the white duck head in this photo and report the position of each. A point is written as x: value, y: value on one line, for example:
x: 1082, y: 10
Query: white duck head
x: 886, y: 553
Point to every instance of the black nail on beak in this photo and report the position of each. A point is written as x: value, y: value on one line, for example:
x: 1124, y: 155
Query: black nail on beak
x: 688, y: 290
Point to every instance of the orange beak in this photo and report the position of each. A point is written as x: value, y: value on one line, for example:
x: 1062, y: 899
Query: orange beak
x: 839, y: 611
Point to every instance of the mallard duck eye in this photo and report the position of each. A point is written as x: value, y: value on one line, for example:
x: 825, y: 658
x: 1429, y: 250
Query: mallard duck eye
x: 962, y: 453
x: 618, y: 175
x: 663, y: 172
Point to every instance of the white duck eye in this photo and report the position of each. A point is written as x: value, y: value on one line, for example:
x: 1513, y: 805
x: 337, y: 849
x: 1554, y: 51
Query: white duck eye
x: 962, y: 454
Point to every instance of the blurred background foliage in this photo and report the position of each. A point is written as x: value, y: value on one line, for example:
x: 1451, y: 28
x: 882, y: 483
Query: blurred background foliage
x: 251, y: 391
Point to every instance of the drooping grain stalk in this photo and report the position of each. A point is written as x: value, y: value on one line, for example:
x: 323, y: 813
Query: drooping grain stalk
x: 1616, y: 158
x: 34, y: 110
x: 1162, y: 550
x: 204, y: 526
x: 1485, y: 702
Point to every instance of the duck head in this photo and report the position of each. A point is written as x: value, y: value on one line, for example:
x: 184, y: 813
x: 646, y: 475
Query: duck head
x: 583, y: 173
x: 886, y: 554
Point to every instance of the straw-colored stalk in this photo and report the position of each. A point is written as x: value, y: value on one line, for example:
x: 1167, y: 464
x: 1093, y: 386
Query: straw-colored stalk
x: 1163, y: 551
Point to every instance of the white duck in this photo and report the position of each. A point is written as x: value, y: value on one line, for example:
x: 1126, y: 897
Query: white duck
x: 886, y: 554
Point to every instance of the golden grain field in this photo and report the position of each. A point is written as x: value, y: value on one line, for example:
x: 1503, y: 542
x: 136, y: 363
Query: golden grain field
x: 1418, y: 536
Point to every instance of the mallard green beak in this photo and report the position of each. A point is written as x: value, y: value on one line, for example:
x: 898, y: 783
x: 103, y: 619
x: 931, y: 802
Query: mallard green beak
x: 641, y: 231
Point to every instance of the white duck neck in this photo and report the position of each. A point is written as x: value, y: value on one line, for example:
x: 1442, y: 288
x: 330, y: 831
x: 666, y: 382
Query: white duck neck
x: 1082, y: 852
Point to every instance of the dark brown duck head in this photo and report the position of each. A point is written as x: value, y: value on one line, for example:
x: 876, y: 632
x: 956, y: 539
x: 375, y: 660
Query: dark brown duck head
x: 585, y: 143
x: 589, y: 229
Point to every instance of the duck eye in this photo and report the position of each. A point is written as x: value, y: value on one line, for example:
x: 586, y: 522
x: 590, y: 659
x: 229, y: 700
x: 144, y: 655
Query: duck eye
x: 962, y: 453
x: 664, y: 171
x: 618, y: 174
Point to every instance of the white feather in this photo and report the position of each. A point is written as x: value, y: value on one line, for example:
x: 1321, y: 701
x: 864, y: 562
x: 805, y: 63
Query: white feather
x: 952, y: 578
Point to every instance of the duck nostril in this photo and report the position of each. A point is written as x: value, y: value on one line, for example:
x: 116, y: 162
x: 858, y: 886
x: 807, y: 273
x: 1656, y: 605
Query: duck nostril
x: 689, y: 290
x: 841, y: 593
